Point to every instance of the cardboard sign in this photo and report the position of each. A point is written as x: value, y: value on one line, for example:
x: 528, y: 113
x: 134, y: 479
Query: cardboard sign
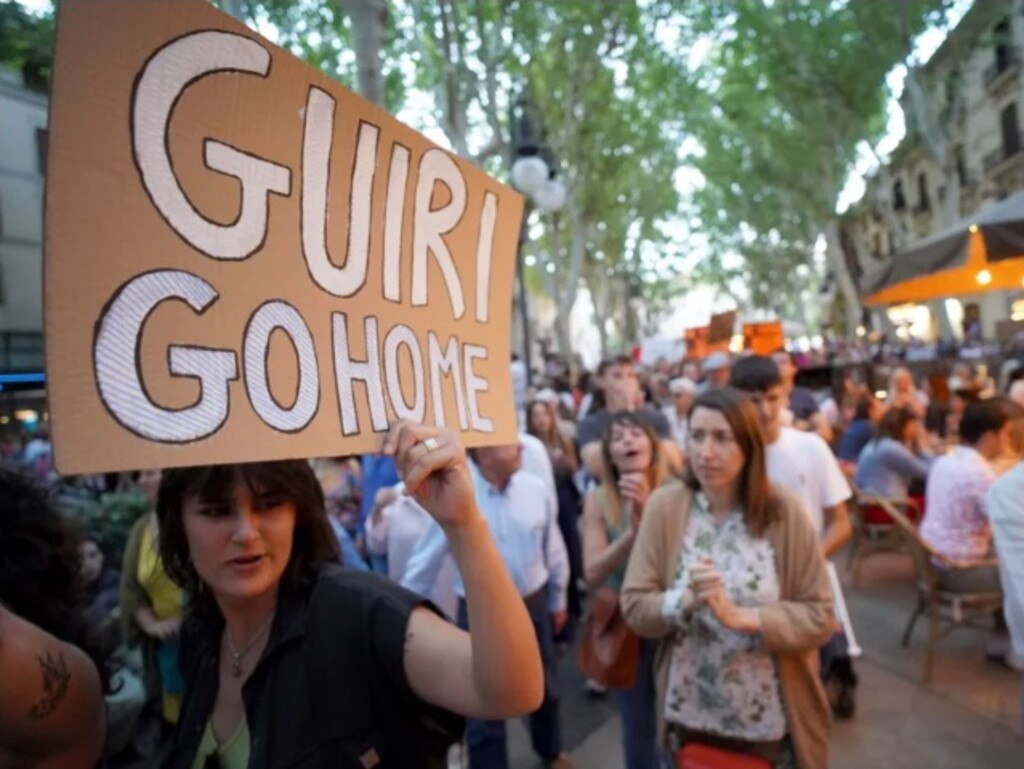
x: 763, y: 338
x: 696, y: 342
x: 720, y: 330
x: 246, y: 261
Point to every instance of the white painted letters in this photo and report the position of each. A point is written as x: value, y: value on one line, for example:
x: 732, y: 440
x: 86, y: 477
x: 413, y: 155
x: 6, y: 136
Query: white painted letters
x: 317, y: 140
x: 475, y: 385
x: 429, y: 227
x: 398, y: 336
x: 117, y: 368
x: 268, y: 318
x: 347, y: 371
x: 445, y: 364
x: 163, y: 81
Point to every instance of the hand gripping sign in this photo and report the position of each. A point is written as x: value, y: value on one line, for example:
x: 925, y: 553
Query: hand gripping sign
x: 246, y: 261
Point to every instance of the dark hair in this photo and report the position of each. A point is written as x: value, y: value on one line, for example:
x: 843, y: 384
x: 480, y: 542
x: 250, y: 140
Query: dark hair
x: 761, y: 505
x: 656, y: 473
x: 615, y: 360
x: 894, y: 421
x: 555, y: 437
x: 981, y: 417
x: 40, y: 569
x: 626, y: 419
x: 313, y: 544
x: 755, y: 374
x: 862, y: 408
x: 968, y: 394
x: 1010, y: 407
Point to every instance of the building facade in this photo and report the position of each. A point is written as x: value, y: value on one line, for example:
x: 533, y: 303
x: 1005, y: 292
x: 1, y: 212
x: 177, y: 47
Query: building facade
x: 962, y: 151
x: 23, y: 136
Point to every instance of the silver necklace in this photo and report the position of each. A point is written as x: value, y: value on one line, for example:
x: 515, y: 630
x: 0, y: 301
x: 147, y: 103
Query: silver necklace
x: 236, y: 664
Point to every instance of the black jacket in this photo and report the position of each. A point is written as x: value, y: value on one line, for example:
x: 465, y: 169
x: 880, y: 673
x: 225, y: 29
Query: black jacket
x: 330, y: 689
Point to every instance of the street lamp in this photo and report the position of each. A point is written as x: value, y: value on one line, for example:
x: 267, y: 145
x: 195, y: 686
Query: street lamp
x: 533, y: 174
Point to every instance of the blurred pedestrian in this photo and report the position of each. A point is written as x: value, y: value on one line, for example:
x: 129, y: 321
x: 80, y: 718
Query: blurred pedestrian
x: 53, y: 669
x: 611, y: 518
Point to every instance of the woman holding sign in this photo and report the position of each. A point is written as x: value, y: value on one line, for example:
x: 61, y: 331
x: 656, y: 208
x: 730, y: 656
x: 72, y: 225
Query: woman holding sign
x: 292, y: 661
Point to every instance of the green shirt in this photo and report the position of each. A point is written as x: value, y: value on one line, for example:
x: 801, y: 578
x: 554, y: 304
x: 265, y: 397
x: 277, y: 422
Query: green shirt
x: 233, y: 754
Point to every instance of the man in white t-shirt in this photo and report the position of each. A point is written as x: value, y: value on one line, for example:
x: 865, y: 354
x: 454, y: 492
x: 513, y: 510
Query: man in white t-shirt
x: 796, y: 460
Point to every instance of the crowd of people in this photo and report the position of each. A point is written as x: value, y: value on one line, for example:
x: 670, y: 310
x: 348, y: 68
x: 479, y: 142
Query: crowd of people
x: 690, y: 508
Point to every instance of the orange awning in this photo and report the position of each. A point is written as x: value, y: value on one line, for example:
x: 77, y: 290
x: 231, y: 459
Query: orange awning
x: 976, y: 276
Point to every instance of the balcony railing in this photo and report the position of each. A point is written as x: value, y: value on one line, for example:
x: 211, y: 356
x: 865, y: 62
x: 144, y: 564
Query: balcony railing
x: 995, y: 159
x: 1008, y: 67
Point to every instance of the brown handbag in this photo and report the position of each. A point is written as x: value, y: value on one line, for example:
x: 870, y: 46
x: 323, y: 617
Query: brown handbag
x: 609, y: 650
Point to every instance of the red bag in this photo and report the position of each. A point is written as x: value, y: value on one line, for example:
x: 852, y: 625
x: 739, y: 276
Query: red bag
x: 695, y: 755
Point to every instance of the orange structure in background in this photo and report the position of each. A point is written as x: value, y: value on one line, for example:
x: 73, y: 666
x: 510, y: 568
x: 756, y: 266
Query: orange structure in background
x: 977, y: 275
x: 763, y: 338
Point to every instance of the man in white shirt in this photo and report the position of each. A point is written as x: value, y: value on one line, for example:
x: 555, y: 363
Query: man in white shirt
x: 522, y: 517
x: 796, y: 460
x: 393, y: 529
x: 1005, y: 503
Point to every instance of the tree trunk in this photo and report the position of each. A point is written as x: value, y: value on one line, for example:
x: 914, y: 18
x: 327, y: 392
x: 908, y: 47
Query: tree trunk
x: 569, y: 276
x: 369, y: 20
x: 599, y: 298
x: 834, y: 252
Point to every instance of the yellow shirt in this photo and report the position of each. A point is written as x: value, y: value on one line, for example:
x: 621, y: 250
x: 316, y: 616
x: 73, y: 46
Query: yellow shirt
x: 233, y: 754
x: 165, y: 597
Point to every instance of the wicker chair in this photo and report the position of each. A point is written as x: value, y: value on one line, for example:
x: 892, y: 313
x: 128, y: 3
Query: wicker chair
x: 945, y: 609
x: 869, y: 538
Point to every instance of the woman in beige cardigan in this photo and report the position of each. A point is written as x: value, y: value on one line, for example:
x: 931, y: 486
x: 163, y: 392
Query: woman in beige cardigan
x: 726, y: 571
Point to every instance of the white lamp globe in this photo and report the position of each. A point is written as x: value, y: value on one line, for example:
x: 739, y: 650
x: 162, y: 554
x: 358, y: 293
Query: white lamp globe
x: 551, y: 196
x: 529, y: 174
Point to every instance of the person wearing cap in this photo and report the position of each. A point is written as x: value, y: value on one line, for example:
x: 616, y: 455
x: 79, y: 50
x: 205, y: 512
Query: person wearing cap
x: 683, y: 391
x: 716, y: 371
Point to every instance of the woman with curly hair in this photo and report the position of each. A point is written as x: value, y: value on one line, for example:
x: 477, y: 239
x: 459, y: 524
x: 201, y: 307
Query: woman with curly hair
x: 53, y: 672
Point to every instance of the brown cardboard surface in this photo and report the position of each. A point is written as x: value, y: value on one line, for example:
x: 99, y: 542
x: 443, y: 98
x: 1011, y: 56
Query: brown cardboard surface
x: 696, y: 339
x: 720, y: 329
x: 160, y: 281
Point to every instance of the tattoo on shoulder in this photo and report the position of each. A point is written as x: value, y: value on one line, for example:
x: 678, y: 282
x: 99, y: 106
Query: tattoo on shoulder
x: 56, y: 678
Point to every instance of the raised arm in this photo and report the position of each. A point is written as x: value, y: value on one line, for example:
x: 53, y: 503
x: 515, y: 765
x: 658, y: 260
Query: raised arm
x: 643, y: 591
x: 495, y: 672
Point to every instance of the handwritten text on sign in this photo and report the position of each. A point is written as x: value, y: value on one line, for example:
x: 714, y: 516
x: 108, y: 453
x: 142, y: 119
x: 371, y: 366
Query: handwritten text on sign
x: 357, y: 272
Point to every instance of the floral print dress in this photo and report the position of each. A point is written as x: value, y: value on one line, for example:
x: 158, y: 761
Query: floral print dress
x: 723, y: 681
